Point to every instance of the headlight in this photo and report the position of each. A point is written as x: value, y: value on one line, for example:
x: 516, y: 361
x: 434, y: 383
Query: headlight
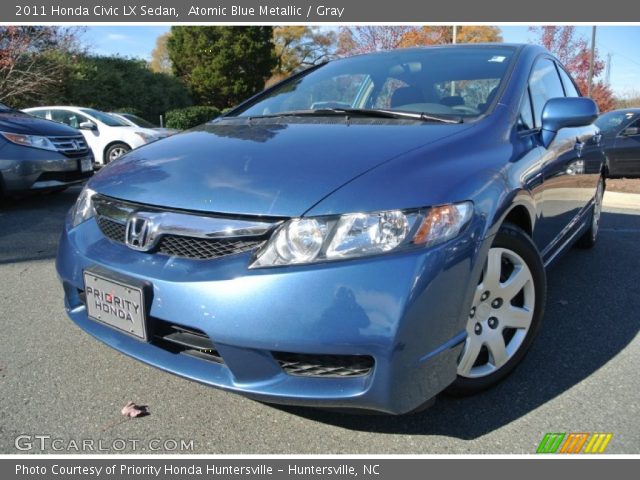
x: 319, y: 239
x: 147, y: 137
x: 83, y: 209
x: 34, y: 141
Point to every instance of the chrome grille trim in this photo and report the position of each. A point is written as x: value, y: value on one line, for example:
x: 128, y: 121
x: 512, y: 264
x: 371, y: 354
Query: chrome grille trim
x: 181, y: 234
x: 182, y: 224
x: 70, y: 145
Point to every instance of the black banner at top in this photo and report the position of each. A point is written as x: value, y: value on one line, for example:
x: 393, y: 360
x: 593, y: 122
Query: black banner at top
x: 307, y: 11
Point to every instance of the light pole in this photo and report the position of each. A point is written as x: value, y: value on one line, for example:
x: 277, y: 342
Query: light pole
x: 591, y: 60
x: 454, y: 39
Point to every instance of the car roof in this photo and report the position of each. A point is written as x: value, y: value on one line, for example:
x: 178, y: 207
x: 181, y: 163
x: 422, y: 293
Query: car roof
x: 623, y: 110
x: 59, y: 106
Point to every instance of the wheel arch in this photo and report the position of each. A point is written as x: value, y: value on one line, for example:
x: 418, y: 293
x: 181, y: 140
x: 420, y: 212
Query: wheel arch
x: 520, y: 211
x: 519, y: 216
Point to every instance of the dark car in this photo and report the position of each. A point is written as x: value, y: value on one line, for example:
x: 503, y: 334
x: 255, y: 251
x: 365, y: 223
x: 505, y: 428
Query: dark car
x: 40, y: 155
x: 365, y: 234
x: 621, y: 139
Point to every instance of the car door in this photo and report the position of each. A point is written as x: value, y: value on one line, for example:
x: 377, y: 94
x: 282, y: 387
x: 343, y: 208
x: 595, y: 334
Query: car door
x: 74, y: 119
x: 624, y: 157
x: 563, y: 162
x: 590, y: 151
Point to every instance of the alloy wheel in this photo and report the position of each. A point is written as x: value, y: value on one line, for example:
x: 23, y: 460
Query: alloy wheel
x: 500, y: 316
x: 116, y: 153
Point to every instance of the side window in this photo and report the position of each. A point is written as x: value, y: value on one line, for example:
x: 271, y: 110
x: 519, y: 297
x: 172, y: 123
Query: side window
x: 544, y: 84
x: 569, y: 88
x: 525, y: 119
x: 39, y: 113
x: 68, y: 117
x: 635, y: 125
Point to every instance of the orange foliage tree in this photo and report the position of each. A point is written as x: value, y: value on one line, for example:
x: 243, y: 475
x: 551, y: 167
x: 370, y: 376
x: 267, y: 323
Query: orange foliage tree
x: 437, y: 35
x: 575, y: 54
x: 365, y: 39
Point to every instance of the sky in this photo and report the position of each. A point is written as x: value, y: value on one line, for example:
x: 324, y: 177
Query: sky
x: 619, y: 41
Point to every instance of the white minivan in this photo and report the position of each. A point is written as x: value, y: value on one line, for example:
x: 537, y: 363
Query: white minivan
x: 109, y: 137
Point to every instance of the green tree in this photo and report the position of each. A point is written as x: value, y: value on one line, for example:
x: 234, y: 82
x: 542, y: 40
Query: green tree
x: 115, y: 83
x: 222, y: 66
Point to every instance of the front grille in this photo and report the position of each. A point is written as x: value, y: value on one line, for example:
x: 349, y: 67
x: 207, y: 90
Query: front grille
x: 188, y: 235
x: 70, y: 146
x: 200, y: 248
x: 184, y: 340
x: 186, y: 247
x: 112, y: 229
x: 304, y: 365
x: 65, y: 177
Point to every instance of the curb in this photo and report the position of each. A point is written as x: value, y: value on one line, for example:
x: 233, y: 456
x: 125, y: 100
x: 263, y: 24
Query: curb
x: 629, y: 201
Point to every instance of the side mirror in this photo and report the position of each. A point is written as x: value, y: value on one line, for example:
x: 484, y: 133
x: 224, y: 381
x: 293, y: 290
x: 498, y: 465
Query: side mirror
x: 631, y: 131
x: 568, y: 112
x: 88, y: 126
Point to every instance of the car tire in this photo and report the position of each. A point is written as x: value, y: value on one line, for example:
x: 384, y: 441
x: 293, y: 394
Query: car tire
x: 115, y: 151
x: 588, y: 240
x: 502, y: 323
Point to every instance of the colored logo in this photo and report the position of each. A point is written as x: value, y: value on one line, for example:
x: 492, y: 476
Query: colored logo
x: 574, y: 443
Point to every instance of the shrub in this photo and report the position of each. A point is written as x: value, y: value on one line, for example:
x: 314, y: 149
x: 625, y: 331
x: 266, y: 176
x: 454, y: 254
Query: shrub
x: 113, y: 83
x: 184, y: 118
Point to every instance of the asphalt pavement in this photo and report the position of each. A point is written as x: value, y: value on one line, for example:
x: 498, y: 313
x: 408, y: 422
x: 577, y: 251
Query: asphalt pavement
x: 63, y: 390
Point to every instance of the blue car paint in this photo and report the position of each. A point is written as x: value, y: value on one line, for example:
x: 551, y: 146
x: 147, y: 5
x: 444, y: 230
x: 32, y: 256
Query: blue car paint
x: 406, y: 309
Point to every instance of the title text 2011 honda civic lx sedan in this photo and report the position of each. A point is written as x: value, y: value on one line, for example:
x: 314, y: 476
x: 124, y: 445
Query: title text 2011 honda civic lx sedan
x: 363, y: 235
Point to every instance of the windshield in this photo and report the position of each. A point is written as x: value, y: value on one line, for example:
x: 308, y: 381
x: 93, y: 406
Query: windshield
x: 460, y: 81
x: 140, y: 122
x: 105, y: 118
x: 613, y: 121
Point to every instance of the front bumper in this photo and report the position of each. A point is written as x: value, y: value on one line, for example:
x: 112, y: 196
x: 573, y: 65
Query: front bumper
x: 24, y: 169
x: 406, y: 310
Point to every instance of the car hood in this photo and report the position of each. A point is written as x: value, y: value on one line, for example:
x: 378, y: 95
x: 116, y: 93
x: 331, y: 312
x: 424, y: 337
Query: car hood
x: 261, y: 168
x: 22, y: 123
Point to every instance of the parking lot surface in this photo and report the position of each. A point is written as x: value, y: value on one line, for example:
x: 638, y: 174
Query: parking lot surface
x: 58, y: 383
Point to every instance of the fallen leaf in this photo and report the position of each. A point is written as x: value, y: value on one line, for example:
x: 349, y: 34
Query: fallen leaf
x: 132, y: 410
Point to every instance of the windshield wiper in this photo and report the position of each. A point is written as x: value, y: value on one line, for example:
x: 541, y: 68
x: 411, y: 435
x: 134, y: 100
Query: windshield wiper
x: 364, y: 112
x: 380, y: 112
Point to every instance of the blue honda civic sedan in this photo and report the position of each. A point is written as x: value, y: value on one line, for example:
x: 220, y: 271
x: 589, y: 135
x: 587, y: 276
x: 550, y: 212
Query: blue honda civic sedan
x: 363, y: 235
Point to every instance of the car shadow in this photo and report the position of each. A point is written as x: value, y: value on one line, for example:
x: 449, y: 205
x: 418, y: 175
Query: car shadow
x: 586, y: 324
x: 30, y: 226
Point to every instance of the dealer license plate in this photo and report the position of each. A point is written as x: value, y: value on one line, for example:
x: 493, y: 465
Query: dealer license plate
x: 115, y: 303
